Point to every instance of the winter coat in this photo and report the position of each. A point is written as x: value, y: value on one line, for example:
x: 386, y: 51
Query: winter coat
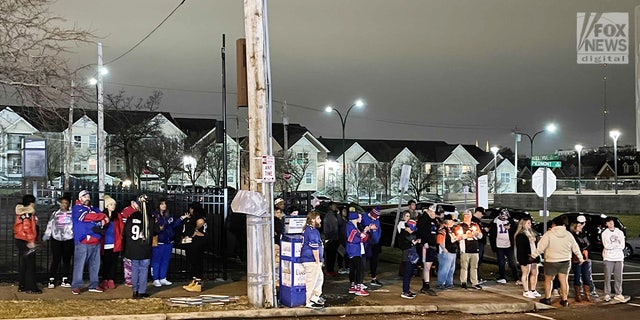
x: 86, y: 223
x: 25, y: 224
x: 557, y: 245
x: 60, y: 226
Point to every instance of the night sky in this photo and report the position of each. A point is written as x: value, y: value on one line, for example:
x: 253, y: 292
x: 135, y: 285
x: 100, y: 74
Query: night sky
x: 457, y: 71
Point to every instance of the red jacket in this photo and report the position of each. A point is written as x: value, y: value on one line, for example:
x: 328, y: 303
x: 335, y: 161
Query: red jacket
x: 118, y: 227
x: 24, y: 227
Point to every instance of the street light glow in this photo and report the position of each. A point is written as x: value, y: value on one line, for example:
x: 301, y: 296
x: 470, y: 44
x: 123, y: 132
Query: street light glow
x: 494, y: 150
x: 104, y: 71
x: 551, y: 127
x: 93, y: 81
x: 578, y: 148
x: 614, y: 134
x: 359, y: 103
x: 328, y: 109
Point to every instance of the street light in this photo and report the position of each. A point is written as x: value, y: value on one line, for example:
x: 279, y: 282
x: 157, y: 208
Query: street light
x: 551, y: 128
x: 579, y: 150
x: 495, y: 150
x: 615, y: 134
x: 343, y: 121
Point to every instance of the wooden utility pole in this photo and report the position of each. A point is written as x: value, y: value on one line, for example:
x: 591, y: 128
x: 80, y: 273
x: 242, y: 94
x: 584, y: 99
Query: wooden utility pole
x: 259, y: 228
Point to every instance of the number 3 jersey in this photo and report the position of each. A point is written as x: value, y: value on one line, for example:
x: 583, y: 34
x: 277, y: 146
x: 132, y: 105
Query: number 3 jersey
x: 137, y: 235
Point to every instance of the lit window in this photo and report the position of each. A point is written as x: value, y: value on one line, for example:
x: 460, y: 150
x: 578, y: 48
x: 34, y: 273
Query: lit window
x: 93, y: 165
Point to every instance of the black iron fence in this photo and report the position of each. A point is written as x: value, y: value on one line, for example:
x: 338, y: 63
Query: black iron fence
x: 215, y: 202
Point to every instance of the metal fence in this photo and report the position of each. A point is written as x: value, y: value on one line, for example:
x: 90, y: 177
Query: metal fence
x: 214, y: 202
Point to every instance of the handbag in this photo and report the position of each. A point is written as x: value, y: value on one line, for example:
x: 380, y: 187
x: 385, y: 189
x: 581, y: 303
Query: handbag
x: 413, y: 255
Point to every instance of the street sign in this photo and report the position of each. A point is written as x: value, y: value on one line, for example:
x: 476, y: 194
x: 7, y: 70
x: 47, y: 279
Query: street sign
x: 545, y: 157
x: 404, y: 178
x: 537, y: 182
x: 546, y: 163
x: 268, y: 169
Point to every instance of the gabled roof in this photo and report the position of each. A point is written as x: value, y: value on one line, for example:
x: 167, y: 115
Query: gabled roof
x: 198, y: 128
x: 387, y: 150
x: 294, y: 133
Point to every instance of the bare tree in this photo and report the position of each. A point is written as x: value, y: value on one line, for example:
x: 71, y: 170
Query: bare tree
x: 55, y: 155
x: 384, y: 177
x: 215, y: 167
x: 295, y: 167
x: 165, y: 156
x: 419, y: 180
x: 33, y: 70
x: 368, y: 180
x: 199, y: 150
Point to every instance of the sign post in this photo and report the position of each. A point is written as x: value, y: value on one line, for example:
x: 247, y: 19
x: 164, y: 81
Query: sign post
x: 403, y: 186
x: 544, y: 184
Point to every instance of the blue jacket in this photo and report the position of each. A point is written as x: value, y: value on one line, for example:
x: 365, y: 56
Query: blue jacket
x: 353, y: 240
x: 167, y: 224
x: 84, y: 220
x: 374, y: 235
x: 311, y: 242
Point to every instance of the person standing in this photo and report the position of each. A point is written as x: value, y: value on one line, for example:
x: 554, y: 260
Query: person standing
x: 109, y: 258
x: 581, y: 272
x: 372, y: 247
x: 355, y: 250
x: 25, y: 235
x: 448, y: 243
x: 405, y: 216
x: 613, y: 241
x: 137, y: 236
x: 557, y: 245
x: 412, y: 205
x: 468, y: 233
x: 502, y: 243
x: 311, y: 258
x: 161, y: 252
x: 134, y: 205
x: 331, y: 231
x: 194, y: 233
x: 88, y: 225
x: 59, y: 233
x: 341, y: 257
x: 478, y: 214
x: 407, y: 243
x: 427, y: 233
x: 526, y: 240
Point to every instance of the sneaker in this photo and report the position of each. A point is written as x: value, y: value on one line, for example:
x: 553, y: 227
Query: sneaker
x: 156, y: 283
x: 546, y: 301
x: 128, y: 284
x: 65, y: 283
x: 165, y: 282
x: 343, y: 271
x: 595, y: 294
x: 143, y: 295
x: 36, y: 291
x: 449, y: 287
x: 315, y: 306
x: 481, y: 281
x: 477, y: 287
x: 353, y: 289
x: 536, y: 294
x: 518, y: 283
x: 441, y: 287
x: 502, y: 281
x: 51, y: 284
x: 361, y: 292
x: 363, y: 287
x: 75, y: 291
x: 555, y: 293
x: 621, y: 298
x: 529, y: 294
x: 375, y: 282
x: 96, y: 289
x: 408, y: 295
x: 111, y: 284
x: 104, y: 284
x: 564, y: 303
x: 319, y: 300
x: 607, y: 298
x: 463, y: 285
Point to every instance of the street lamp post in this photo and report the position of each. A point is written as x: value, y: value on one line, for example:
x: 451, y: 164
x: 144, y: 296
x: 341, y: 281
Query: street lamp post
x: 343, y: 122
x: 495, y: 150
x: 615, y: 134
x: 579, y: 150
x: 549, y: 128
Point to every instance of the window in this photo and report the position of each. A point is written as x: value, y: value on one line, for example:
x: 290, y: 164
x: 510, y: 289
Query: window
x: 505, y: 177
x: 308, y: 178
x: 452, y: 171
x: 15, y: 142
x: 119, y: 165
x: 466, y: 169
x: 93, y: 167
x: 302, y: 157
x: 636, y: 167
x: 427, y: 168
x: 77, y: 166
x: 77, y: 141
x: 93, y: 142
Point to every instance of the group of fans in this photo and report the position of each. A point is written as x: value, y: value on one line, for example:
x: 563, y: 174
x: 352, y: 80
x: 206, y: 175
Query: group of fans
x: 433, y: 241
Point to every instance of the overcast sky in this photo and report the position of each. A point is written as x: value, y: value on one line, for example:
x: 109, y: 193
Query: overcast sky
x: 457, y: 71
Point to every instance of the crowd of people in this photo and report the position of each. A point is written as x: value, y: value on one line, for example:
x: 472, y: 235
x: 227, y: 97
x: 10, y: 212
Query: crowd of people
x: 84, y: 238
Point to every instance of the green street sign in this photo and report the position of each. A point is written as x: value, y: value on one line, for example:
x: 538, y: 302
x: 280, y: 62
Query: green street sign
x: 548, y: 164
x: 545, y: 157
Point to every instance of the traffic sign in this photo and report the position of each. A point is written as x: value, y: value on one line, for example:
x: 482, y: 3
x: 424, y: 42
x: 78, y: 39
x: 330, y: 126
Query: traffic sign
x: 537, y: 182
x: 545, y: 157
x: 546, y: 163
x: 268, y: 168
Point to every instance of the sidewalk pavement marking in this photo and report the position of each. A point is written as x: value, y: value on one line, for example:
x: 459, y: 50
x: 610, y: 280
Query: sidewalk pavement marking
x: 624, y: 273
x: 624, y: 280
x: 634, y: 304
x: 539, y: 316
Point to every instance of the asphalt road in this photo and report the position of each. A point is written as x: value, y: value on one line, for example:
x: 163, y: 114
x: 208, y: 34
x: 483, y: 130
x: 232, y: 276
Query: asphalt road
x: 631, y: 277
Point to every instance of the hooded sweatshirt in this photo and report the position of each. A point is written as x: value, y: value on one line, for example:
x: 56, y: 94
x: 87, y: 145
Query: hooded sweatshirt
x: 613, y: 242
x: 557, y: 245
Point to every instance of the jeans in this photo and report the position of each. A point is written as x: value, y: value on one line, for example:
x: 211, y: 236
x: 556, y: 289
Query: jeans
x: 446, y: 266
x: 27, y: 268
x: 408, y: 274
x: 581, y: 272
x: 506, y: 253
x: 160, y: 256
x: 88, y: 254
x: 139, y: 275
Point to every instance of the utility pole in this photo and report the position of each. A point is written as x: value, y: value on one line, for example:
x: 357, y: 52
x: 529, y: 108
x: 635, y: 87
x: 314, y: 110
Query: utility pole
x: 101, y: 141
x: 285, y: 153
x: 260, y: 266
x: 224, y: 115
x: 67, y: 164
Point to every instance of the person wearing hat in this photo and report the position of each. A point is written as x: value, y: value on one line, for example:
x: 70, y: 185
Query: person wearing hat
x: 407, y: 243
x: 448, y: 243
x: 59, y: 233
x: 25, y: 234
x: 428, y: 225
x: 478, y: 214
x: 501, y: 234
x: 87, y: 222
x: 372, y: 246
x: 468, y: 233
x: 355, y: 249
x: 279, y: 203
x: 581, y: 272
x: 134, y: 205
x: 613, y: 241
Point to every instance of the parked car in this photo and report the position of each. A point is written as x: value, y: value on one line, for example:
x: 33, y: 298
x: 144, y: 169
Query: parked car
x: 594, y: 227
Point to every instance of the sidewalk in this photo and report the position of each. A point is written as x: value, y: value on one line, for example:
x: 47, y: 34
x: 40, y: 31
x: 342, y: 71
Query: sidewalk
x: 495, y: 298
